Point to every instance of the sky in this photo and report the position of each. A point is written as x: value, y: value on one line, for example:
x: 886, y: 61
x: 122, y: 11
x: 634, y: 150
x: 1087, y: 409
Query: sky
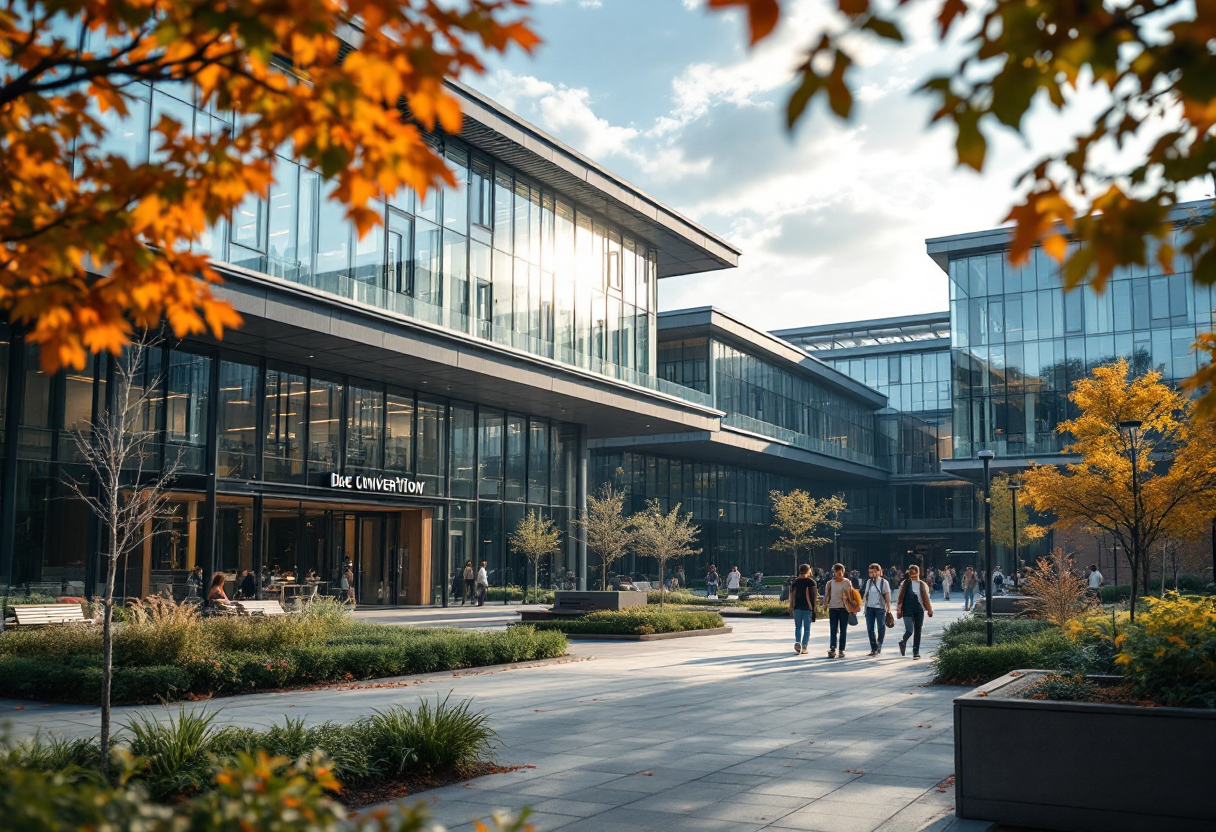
x: 831, y: 218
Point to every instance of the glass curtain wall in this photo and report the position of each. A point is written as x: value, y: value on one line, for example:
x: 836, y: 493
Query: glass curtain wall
x: 496, y: 255
x: 1019, y: 343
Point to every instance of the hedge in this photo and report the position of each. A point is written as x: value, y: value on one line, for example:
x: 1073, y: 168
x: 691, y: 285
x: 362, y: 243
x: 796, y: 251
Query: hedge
x: 356, y: 651
x: 635, y: 621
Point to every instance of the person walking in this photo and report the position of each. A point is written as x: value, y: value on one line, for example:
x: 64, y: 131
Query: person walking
x: 804, y: 595
x: 711, y: 582
x: 914, y: 605
x: 837, y: 597
x: 482, y: 583
x: 469, y: 576
x: 877, y: 596
x: 947, y: 580
x: 1095, y: 580
x: 998, y: 581
x: 732, y: 581
x: 970, y: 582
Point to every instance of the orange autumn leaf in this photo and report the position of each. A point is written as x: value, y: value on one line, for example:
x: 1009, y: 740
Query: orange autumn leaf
x: 97, y: 241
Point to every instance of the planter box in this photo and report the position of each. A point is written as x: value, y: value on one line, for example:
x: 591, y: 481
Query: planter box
x: 1081, y: 767
x: 591, y: 601
x: 1002, y: 605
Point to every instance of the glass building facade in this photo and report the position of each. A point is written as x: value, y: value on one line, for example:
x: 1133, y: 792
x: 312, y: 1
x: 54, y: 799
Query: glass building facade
x: 272, y: 438
x: 1020, y: 342
x: 498, y: 256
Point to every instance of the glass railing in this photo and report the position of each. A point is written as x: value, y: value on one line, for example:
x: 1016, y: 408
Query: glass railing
x: 411, y: 307
x: 797, y: 440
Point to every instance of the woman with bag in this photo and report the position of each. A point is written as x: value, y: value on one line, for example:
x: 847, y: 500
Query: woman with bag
x: 913, y: 606
x: 843, y: 602
x: 804, y: 595
x: 878, y: 608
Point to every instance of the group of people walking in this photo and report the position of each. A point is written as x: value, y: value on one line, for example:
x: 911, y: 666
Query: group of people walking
x: 844, y: 601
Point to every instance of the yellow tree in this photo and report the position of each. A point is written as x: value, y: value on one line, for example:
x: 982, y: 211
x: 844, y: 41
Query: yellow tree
x: 798, y: 518
x: 1146, y: 73
x: 98, y: 240
x: 1172, y: 483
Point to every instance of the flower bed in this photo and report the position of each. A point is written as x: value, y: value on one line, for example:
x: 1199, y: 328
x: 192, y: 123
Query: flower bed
x: 173, y: 654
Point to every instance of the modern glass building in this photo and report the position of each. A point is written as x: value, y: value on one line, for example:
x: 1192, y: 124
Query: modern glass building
x: 1019, y: 342
x: 395, y: 402
x: 796, y: 419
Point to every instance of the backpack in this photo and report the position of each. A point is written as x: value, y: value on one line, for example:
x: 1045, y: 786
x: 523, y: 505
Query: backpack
x: 999, y: 579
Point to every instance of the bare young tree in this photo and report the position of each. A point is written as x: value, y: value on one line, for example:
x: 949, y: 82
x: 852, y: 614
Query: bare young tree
x: 664, y: 535
x: 535, y: 538
x: 128, y: 489
x: 798, y: 517
x: 604, y: 529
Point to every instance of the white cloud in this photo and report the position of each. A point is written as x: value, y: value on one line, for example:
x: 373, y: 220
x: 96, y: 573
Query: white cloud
x: 590, y: 4
x: 832, y: 220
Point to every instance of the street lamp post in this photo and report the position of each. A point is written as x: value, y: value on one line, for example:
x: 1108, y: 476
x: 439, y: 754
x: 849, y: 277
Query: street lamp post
x: 1131, y: 429
x: 987, y: 457
x: 1017, y: 564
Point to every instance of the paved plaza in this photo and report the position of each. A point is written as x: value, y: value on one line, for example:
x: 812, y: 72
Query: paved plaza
x: 730, y: 732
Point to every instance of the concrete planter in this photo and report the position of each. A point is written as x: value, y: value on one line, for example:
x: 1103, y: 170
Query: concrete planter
x: 588, y: 601
x: 1081, y: 767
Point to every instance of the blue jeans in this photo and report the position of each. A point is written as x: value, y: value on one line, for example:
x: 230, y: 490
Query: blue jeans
x: 711, y: 590
x: 838, y: 621
x: 802, y: 627
x: 876, y: 616
x: 912, y: 626
x: 968, y: 598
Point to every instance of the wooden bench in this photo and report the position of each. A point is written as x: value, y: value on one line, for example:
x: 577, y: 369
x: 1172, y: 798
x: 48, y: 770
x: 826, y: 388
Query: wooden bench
x: 37, y: 615
x: 261, y: 608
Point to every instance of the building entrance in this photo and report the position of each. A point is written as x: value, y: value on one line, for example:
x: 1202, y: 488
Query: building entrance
x: 310, y: 548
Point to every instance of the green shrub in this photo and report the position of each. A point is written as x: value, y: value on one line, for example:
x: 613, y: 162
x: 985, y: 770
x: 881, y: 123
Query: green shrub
x: 973, y: 630
x: 178, y: 756
x: 147, y: 684
x: 1170, y: 651
x: 636, y: 621
x: 1115, y: 593
x: 685, y: 598
x: 80, y: 758
x: 51, y: 642
x: 161, y: 632
x: 17, y: 599
x: 975, y: 664
x: 445, y: 737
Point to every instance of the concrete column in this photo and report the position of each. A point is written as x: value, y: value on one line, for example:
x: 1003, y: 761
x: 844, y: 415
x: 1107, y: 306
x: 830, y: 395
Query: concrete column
x: 581, y: 486
x: 8, y: 474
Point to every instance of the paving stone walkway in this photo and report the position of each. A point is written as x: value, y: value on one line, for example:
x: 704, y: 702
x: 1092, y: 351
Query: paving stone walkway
x: 731, y: 732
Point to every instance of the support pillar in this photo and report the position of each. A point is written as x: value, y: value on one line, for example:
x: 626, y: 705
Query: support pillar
x: 8, y: 472
x: 581, y: 488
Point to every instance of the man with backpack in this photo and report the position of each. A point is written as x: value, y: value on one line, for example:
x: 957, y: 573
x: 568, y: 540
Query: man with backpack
x: 998, y: 582
x: 877, y: 596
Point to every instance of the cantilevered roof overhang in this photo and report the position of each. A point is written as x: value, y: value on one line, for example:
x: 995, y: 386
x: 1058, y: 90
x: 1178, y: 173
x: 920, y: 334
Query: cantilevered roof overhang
x: 684, y: 246
x: 304, y: 327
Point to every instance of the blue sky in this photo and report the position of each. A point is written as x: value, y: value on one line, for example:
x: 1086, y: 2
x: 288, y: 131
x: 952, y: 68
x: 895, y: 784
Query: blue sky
x: 832, y: 219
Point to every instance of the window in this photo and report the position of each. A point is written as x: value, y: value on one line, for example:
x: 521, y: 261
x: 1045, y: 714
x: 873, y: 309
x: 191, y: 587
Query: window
x: 479, y: 270
x: 481, y: 195
x: 502, y: 210
x: 490, y: 463
x: 432, y: 444
x: 364, y: 414
x: 456, y: 277
x: 400, y: 241
x: 309, y: 216
x: 516, y: 458
x: 236, y: 437
x: 189, y: 393
x: 456, y: 198
x: 1159, y: 298
x: 284, y: 426
x: 369, y: 257
x: 464, y: 460
x: 283, y: 238
x: 538, y: 461
x: 324, y: 425
x: 333, y: 244
x: 428, y: 285
x: 520, y: 210
x: 399, y: 433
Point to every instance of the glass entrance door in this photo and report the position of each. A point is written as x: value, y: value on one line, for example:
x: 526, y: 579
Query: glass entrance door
x: 374, y: 545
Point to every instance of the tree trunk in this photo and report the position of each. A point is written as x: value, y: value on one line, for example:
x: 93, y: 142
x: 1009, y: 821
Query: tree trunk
x: 107, y: 648
x: 536, y: 581
x: 603, y: 575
